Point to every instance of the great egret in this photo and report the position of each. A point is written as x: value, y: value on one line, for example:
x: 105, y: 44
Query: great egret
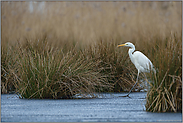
x: 141, y: 62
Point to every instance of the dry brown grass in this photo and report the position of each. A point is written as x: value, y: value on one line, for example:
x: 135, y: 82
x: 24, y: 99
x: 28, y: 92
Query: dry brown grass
x: 87, y: 22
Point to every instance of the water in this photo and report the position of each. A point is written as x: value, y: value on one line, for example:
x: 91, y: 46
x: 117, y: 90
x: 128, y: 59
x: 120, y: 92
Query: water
x: 106, y: 109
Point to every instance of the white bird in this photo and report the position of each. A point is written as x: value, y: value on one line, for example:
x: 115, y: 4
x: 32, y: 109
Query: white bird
x: 141, y: 62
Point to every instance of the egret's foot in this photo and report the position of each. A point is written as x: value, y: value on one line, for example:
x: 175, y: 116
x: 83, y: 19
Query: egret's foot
x: 126, y: 96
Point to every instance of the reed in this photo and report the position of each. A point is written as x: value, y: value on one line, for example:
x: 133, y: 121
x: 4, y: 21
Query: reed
x: 166, y: 91
x: 8, y: 67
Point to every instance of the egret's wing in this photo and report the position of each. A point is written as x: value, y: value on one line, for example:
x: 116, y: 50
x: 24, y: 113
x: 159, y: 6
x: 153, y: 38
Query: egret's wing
x: 142, y: 61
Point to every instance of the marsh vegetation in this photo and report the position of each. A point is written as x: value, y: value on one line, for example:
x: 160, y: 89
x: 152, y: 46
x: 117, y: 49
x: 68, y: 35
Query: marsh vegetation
x: 59, y: 49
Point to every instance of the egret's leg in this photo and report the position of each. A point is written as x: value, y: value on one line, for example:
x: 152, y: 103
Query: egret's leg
x: 133, y: 86
x: 146, y: 80
x: 146, y: 83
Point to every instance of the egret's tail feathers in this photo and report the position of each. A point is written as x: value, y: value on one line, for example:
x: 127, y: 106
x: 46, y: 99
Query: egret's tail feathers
x: 154, y: 70
x: 151, y: 67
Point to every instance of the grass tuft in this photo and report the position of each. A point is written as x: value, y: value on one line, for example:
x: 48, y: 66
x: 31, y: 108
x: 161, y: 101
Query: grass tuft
x: 54, y: 74
x: 166, y: 90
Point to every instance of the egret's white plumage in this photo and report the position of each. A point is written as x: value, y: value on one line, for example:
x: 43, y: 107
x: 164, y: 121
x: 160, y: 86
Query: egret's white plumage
x: 141, y: 62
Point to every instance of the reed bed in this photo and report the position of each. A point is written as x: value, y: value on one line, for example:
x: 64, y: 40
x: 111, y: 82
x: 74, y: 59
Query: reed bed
x: 61, y: 49
x: 166, y: 90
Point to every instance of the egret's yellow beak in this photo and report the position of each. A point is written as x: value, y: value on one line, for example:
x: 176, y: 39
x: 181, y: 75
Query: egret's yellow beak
x: 121, y: 45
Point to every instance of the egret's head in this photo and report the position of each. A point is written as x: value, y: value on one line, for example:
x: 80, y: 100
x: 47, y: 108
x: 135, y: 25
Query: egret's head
x: 127, y: 44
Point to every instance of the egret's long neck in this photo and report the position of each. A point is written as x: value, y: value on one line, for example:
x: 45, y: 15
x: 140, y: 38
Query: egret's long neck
x: 130, y: 52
